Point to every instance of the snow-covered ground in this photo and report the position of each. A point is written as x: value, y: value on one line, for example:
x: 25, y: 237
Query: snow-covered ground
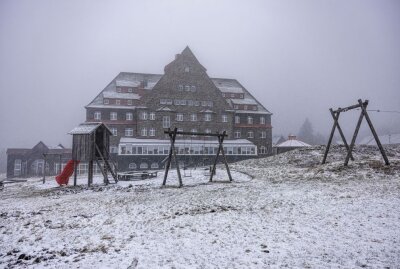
x: 282, y: 211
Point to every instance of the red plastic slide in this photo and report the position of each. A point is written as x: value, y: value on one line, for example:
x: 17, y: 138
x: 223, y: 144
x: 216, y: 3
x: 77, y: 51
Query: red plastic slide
x: 63, y: 178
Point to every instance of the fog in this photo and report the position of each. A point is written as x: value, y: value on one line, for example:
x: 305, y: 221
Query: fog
x: 298, y: 58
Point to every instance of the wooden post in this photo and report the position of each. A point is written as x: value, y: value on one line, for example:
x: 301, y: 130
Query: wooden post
x: 215, y: 160
x: 221, y: 140
x: 75, y: 171
x: 90, y: 173
x: 168, y: 164
x: 44, y: 168
x: 330, y: 137
x: 378, y: 142
x: 353, y: 141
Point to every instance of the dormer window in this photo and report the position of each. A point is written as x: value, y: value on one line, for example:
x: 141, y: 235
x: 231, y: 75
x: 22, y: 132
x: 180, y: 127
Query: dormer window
x: 117, y: 102
x: 106, y: 101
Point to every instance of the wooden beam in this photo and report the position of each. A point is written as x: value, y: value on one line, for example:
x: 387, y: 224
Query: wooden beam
x: 353, y: 141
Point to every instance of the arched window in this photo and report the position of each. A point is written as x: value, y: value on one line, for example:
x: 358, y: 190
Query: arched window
x: 132, y: 166
x: 154, y: 166
x: 144, y: 166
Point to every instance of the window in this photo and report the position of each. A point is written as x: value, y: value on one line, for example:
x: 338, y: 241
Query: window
x: 180, y: 130
x: 193, y: 117
x: 106, y: 101
x: 241, y: 95
x: 249, y: 120
x: 254, y: 107
x: 236, y: 107
x: 154, y: 166
x: 196, y: 103
x: 129, y: 89
x: 143, y: 131
x: 129, y: 116
x: 82, y: 168
x: 144, y: 166
x: 193, y: 88
x: 204, y: 103
x: 237, y: 119
x: 208, y: 131
x: 262, y: 120
x: 17, y: 167
x: 97, y: 115
x: 129, y: 102
x: 194, y: 130
x: 250, y: 134
x: 232, y: 95
x: 237, y: 134
x: 119, y: 90
x: 113, y: 149
x: 187, y: 69
x: 128, y: 132
x: 117, y: 102
x: 187, y: 88
x: 163, y: 101
x: 223, y: 94
x: 177, y: 102
x: 263, y: 134
x: 152, y: 116
x: 152, y: 132
x: 132, y: 166
x: 180, y: 87
x: 166, y: 121
x: 210, y: 103
x: 183, y: 102
x: 114, y: 131
x: 224, y: 118
x: 263, y: 150
x: 245, y: 107
x: 143, y: 115
x: 113, y: 115
x: 190, y: 102
x: 207, y: 117
x: 168, y: 101
x: 179, y: 117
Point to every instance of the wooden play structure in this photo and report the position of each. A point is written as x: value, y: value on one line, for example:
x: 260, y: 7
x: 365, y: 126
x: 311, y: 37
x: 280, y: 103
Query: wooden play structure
x: 172, y: 153
x: 335, y: 115
x: 90, y: 143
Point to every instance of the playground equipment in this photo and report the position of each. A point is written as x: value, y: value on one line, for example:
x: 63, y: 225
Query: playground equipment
x: 172, y: 153
x: 90, y: 143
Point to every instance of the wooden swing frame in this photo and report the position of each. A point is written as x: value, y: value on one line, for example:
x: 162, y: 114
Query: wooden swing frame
x: 335, y: 115
x: 172, y: 153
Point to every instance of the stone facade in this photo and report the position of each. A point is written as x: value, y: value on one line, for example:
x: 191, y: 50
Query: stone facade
x: 144, y: 105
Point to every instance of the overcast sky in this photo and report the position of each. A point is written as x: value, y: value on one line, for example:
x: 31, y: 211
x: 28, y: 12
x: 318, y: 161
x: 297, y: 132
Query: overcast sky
x: 299, y: 58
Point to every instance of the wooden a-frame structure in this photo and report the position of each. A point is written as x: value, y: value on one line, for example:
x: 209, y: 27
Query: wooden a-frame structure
x: 172, y: 153
x: 335, y: 115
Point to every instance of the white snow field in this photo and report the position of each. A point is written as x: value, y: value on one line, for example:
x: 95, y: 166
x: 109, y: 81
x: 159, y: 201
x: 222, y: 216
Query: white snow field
x: 281, y: 211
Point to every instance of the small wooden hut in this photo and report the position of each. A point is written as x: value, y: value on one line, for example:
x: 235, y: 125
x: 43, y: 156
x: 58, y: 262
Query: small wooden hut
x: 90, y: 143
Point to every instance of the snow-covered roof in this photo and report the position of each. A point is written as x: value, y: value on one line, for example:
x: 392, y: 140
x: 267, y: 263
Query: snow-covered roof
x: 245, y: 101
x: 120, y: 95
x: 384, y: 139
x: 292, y: 143
x: 87, y: 128
x: 127, y: 83
x: 125, y: 140
x: 230, y: 89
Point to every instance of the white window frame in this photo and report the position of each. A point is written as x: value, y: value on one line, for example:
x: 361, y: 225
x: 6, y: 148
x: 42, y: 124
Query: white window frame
x: 262, y: 120
x: 263, y: 134
x: 117, y: 102
x: 128, y: 131
x: 143, y: 131
x: 97, y: 115
x: 193, y: 117
x: 144, y: 165
x: 143, y: 115
x: 152, y: 132
x: 154, y: 165
x: 114, y: 131
x: 179, y: 117
x: 250, y: 134
x: 224, y: 118
x: 129, y: 116
x: 166, y: 121
x: 17, y: 167
x: 113, y: 115
x: 249, y: 120
x: 132, y: 166
x: 207, y: 117
x: 238, y: 134
x: 152, y: 116
x: 106, y: 101
x: 237, y: 119
x: 113, y: 149
x: 129, y: 102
